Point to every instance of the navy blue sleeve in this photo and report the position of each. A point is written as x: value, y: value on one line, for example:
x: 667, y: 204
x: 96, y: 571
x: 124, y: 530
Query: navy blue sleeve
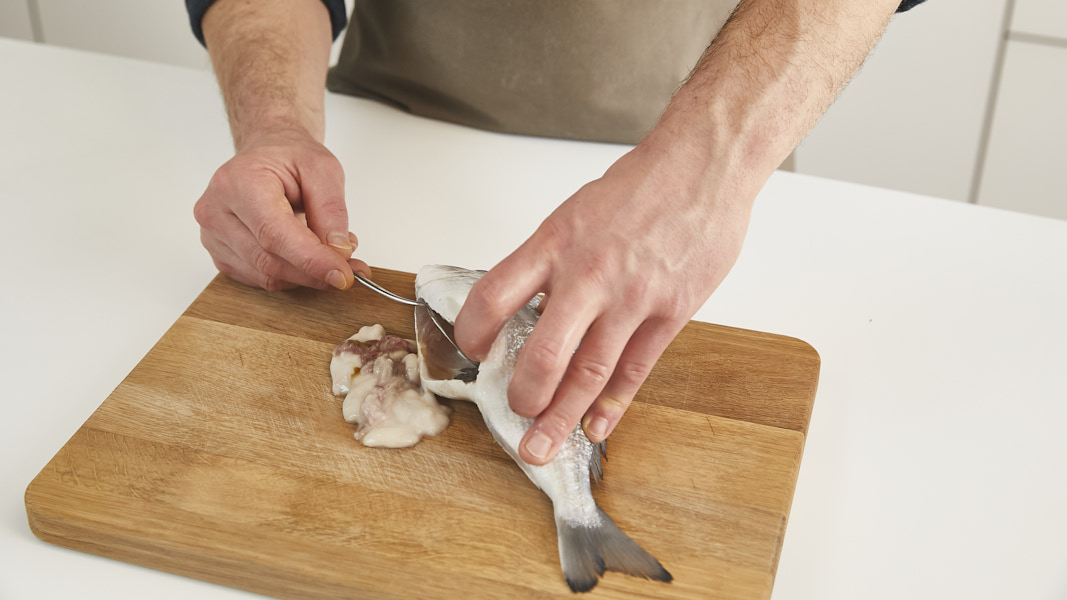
x: 908, y: 4
x: 197, y: 8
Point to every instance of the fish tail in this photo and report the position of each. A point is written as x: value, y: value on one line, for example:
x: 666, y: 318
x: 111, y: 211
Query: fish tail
x: 585, y: 552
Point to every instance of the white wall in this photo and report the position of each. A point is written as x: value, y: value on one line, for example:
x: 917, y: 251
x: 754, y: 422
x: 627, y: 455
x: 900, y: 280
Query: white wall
x: 943, y: 107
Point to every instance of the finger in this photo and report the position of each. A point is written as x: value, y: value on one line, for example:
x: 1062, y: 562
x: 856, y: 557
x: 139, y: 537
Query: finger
x: 231, y: 265
x: 278, y: 231
x: 548, y: 350
x: 360, y: 267
x: 250, y: 264
x: 323, y: 196
x: 588, y: 372
x: 496, y: 297
x: 634, y: 365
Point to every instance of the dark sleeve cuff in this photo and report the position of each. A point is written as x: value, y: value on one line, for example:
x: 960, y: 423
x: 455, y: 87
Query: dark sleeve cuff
x: 908, y: 5
x: 197, y: 8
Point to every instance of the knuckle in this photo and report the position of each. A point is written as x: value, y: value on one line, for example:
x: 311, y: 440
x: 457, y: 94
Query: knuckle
x: 599, y: 270
x: 541, y: 355
x: 488, y: 291
x: 334, y: 210
x: 266, y: 264
x: 639, y: 289
x: 306, y: 264
x: 612, y: 405
x: 319, y: 160
x: 273, y: 284
x: 556, y: 425
x: 632, y: 373
x: 675, y: 309
x: 332, y: 164
x: 202, y: 212
x: 269, y: 235
x: 552, y: 234
x: 590, y: 371
x: 224, y: 268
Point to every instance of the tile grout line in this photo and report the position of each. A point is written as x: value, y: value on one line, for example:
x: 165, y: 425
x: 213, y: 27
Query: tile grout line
x: 35, y: 21
x: 1037, y: 38
x: 991, y: 103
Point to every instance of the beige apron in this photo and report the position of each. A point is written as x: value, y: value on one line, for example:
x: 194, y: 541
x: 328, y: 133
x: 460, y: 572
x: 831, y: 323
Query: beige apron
x: 599, y: 70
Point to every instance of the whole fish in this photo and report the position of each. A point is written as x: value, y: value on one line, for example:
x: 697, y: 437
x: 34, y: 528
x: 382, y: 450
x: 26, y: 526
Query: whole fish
x: 589, y: 541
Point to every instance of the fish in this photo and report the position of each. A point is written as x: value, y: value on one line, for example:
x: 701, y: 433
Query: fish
x: 590, y: 542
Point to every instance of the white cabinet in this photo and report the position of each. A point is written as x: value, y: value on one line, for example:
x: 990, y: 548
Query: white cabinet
x: 912, y: 118
x: 151, y: 30
x: 1026, y: 164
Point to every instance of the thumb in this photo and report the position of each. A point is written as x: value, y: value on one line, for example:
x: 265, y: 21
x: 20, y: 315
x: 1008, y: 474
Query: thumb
x: 323, y: 194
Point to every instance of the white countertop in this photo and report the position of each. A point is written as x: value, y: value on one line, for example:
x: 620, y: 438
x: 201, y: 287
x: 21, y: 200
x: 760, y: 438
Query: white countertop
x: 936, y: 463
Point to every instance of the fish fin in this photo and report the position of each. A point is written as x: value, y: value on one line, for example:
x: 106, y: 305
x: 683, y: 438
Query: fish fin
x: 595, y: 466
x: 585, y: 552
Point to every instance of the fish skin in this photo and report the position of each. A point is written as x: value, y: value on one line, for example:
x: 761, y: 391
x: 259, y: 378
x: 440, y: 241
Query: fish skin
x: 589, y: 541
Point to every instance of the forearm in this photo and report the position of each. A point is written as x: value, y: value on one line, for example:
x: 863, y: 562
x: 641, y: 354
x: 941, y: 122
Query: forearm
x: 270, y: 58
x: 764, y: 82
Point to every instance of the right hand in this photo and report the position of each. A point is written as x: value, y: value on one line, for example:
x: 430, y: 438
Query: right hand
x: 274, y: 216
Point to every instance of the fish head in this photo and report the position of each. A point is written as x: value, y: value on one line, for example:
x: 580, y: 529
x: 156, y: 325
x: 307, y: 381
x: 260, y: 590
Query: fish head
x: 443, y: 371
x: 445, y: 288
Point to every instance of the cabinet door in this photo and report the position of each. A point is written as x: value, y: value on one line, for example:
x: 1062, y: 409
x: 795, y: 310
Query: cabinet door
x: 150, y: 30
x: 912, y: 117
x: 1024, y: 167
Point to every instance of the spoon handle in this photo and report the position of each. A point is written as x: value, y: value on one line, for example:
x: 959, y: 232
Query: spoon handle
x: 383, y: 291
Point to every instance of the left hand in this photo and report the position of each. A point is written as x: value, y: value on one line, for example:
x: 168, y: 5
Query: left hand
x: 624, y: 264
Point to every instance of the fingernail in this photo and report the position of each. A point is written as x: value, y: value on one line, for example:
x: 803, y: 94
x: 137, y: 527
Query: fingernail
x: 597, y: 428
x: 539, y: 445
x: 340, y: 241
x: 353, y: 240
x: 336, y: 279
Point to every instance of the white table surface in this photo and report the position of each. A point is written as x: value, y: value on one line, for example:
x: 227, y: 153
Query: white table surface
x: 935, y: 462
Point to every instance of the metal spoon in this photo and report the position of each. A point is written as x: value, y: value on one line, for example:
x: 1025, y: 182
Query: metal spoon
x: 440, y: 322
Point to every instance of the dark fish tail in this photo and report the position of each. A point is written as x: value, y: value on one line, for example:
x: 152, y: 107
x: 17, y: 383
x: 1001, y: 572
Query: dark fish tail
x: 586, y: 552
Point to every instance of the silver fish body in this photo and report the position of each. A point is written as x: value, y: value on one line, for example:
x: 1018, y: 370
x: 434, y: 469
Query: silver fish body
x: 589, y: 541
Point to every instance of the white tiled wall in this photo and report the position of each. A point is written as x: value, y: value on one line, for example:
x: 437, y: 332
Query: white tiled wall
x: 1026, y: 164
x: 1041, y: 17
x: 915, y: 118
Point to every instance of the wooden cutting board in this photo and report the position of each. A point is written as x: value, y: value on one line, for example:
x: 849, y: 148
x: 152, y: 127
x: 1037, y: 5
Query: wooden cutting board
x: 223, y: 457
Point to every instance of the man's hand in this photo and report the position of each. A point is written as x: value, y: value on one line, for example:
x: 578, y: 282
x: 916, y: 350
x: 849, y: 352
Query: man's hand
x: 624, y: 263
x: 274, y: 216
x: 627, y: 260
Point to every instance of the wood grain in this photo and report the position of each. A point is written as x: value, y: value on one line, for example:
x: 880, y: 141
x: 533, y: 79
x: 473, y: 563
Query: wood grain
x: 222, y: 456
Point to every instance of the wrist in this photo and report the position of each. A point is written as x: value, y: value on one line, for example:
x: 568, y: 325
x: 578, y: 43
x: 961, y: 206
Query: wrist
x: 275, y: 132
x: 730, y: 136
x: 700, y: 153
